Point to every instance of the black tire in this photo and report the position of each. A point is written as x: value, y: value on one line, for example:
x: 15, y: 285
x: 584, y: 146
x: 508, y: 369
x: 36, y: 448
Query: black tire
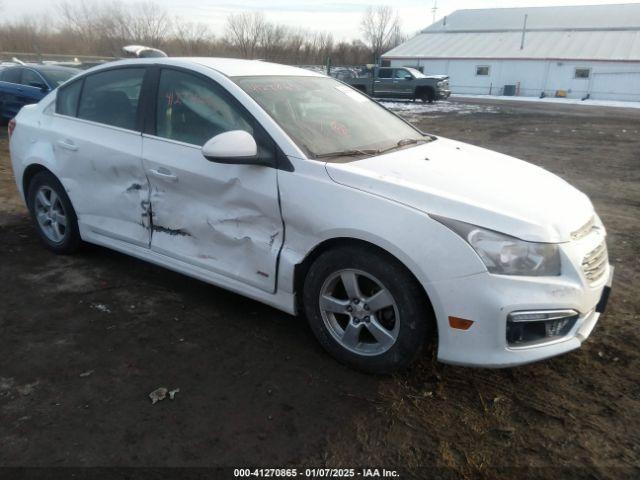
x: 71, y: 238
x: 415, y: 315
x: 427, y: 96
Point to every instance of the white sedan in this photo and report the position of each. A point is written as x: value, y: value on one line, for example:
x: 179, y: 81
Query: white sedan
x: 298, y: 191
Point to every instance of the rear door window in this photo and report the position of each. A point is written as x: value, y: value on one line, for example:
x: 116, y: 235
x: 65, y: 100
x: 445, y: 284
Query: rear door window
x: 112, y: 97
x: 12, y: 75
x: 385, y: 73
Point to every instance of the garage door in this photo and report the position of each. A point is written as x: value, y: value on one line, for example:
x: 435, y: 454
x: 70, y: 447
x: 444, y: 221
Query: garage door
x: 616, y: 86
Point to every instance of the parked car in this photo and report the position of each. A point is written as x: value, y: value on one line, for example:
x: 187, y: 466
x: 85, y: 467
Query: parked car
x: 298, y: 191
x: 142, y: 51
x: 405, y: 82
x: 28, y: 83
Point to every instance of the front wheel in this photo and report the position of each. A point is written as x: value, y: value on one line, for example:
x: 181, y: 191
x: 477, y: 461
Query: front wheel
x: 427, y: 96
x: 366, y: 309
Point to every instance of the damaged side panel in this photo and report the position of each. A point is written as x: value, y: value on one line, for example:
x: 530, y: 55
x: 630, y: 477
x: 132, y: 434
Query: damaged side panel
x: 104, y: 179
x: 224, y: 218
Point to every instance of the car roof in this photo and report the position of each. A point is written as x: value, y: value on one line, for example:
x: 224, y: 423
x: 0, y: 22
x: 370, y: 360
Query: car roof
x: 231, y: 67
x: 47, y: 67
x: 41, y: 67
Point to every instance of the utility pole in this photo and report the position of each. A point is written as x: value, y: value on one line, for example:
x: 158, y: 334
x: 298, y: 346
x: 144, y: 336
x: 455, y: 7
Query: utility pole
x: 524, y: 31
x: 434, y: 10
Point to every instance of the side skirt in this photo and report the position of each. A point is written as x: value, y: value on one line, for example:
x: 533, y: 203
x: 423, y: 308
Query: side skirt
x: 281, y: 301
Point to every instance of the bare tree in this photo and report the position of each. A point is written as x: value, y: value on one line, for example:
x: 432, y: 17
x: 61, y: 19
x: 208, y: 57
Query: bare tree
x: 272, y: 39
x: 77, y: 19
x: 149, y: 23
x: 379, y: 25
x: 103, y: 27
x: 244, y: 31
x: 192, y: 38
x: 28, y: 34
x: 397, y: 37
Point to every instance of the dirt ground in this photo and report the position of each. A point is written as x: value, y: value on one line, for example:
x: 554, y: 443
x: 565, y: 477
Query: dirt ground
x: 85, y: 338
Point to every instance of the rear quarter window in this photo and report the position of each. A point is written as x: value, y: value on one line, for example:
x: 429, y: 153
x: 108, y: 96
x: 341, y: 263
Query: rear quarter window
x: 67, y: 101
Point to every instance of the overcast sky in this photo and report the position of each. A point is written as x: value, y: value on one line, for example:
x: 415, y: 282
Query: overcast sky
x: 342, y: 18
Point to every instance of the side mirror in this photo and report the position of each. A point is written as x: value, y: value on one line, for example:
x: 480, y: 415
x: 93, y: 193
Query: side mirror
x: 234, y: 147
x: 408, y: 77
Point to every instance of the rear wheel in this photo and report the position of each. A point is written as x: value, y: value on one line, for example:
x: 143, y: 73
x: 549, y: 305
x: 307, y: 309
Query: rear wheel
x: 52, y: 213
x: 366, y: 309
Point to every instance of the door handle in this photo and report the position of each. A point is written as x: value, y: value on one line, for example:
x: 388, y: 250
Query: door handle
x: 164, y: 173
x: 67, y: 145
x: 377, y: 81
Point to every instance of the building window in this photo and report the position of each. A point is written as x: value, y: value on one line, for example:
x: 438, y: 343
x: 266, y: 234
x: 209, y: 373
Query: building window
x: 583, y: 72
x: 482, y: 70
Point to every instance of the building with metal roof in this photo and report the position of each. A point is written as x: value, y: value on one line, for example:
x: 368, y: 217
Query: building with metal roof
x: 577, y: 51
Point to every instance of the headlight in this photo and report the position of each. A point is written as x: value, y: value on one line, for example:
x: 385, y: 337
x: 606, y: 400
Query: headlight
x: 507, y: 255
x: 440, y: 84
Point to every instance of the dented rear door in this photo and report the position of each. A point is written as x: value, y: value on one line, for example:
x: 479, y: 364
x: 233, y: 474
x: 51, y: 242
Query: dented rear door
x: 97, y: 142
x: 219, y: 217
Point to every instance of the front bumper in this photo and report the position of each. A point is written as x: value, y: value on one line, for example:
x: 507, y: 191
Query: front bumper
x: 488, y: 300
x: 443, y: 94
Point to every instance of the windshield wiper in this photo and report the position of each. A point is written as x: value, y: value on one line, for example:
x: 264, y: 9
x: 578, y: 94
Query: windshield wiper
x: 403, y: 143
x: 348, y: 153
x: 372, y: 151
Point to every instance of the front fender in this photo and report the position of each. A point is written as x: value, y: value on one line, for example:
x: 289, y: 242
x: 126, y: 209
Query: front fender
x: 316, y: 209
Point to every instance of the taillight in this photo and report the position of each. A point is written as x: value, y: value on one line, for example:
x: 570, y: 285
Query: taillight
x: 11, y: 127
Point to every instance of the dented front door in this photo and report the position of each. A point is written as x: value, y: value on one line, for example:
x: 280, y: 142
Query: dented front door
x: 219, y: 217
x: 224, y: 218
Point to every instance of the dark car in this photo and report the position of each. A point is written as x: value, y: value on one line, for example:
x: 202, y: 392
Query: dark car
x: 24, y: 84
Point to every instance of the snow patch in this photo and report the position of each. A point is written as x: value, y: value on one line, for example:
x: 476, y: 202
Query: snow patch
x: 101, y: 307
x: 561, y: 101
x: 432, y: 110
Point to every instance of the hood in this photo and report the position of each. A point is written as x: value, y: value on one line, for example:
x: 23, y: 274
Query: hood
x: 474, y: 185
x: 437, y: 77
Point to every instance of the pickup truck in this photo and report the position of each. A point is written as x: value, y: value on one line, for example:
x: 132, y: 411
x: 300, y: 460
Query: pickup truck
x: 403, y: 82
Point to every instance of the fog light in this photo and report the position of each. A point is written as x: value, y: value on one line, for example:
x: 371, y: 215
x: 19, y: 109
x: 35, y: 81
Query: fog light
x: 539, y: 326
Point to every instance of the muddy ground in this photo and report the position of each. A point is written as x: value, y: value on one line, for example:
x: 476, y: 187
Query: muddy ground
x: 85, y: 338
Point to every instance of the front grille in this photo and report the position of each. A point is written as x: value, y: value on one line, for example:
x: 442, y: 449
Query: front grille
x: 595, y: 263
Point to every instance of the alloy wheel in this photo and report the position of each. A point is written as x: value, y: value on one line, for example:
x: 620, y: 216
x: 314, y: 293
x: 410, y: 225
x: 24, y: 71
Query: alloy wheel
x: 359, y: 312
x: 50, y: 214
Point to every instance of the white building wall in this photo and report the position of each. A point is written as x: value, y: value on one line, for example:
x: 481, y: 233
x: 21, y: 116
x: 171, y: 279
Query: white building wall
x: 607, y: 80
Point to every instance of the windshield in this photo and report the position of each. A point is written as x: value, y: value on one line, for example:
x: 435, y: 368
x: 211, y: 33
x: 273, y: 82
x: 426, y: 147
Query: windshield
x: 416, y: 73
x: 328, y: 119
x: 57, y: 76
